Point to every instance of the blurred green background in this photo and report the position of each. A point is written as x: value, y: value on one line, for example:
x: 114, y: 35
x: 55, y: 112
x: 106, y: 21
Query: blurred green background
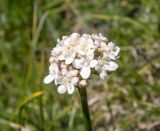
x: 129, y: 100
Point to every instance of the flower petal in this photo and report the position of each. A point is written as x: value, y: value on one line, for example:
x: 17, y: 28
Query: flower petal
x: 77, y: 63
x: 85, y: 72
x: 90, y: 43
x: 69, y: 61
x: 104, y: 46
x: 111, y: 66
x: 63, y: 65
x: 75, y: 80
x: 64, y: 71
x: 70, y: 89
x: 48, y: 79
x: 90, y: 54
x: 74, y: 36
x: 74, y: 72
x: 117, y: 51
x: 61, y: 57
x: 53, y: 68
x: 111, y: 44
x: 61, y: 89
x: 112, y: 56
x: 93, y: 63
x: 103, y: 74
x: 57, y: 50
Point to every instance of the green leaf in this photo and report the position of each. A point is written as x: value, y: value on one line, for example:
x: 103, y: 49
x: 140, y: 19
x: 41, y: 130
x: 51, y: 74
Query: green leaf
x: 29, y: 98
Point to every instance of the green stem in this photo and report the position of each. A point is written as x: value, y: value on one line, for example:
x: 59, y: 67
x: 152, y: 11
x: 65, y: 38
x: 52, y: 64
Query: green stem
x: 85, y: 109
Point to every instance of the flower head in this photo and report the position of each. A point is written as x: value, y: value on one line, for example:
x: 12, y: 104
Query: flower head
x: 76, y: 57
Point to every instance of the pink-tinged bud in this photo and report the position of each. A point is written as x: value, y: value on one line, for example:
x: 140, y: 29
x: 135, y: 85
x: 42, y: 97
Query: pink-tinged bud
x: 74, y: 72
x: 75, y: 80
x: 103, y: 45
x: 83, y: 82
x: 57, y: 50
x: 70, y: 68
x: 51, y: 59
x: 64, y: 71
x: 63, y: 65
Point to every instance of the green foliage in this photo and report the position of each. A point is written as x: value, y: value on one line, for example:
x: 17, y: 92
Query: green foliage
x: 128, y: 100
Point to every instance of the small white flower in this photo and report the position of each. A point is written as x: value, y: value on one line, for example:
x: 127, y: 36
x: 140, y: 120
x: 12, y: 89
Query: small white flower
x: 105, y: 66
x: 56, y: 51
x: 76, y: 57
x: 111, y: 66
x: 85, y: 65
x: 86, y: 46
x: 53, y: 69
x: 68, y: 55
x: 112, y: 51
x: 86, y: 68
x: 99, y: 37
x: 68, y: 80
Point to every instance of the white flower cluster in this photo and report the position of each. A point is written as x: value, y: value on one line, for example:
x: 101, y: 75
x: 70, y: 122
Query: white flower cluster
x: 76, y: 57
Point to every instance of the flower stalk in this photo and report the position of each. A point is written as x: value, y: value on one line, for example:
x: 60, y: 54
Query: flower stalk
x: 85, y: 109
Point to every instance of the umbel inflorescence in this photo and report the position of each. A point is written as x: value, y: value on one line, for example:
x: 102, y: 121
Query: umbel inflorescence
x: 76, y: 57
